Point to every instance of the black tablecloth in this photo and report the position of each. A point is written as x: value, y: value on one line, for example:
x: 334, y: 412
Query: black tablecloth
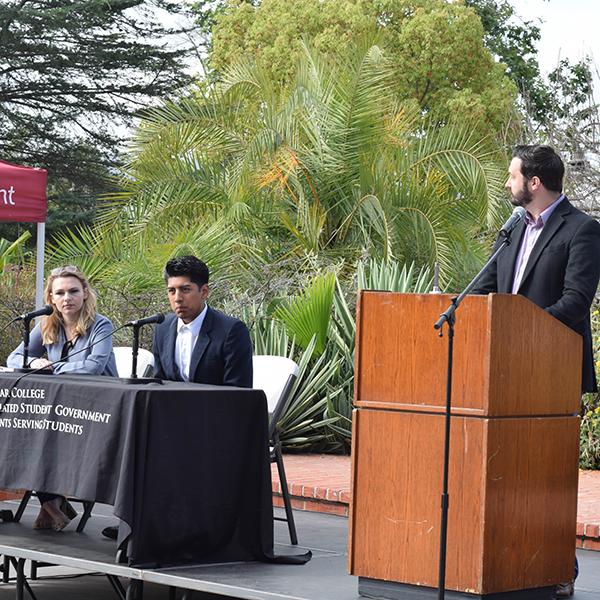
x: 186, y: 466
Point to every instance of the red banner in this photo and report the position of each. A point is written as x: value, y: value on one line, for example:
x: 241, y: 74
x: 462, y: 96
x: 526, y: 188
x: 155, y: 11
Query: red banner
x: 22, y: 194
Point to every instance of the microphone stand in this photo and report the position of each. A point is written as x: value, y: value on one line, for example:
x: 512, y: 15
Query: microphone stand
x: 25, y: 342
x: 449, y: 317
x: 26, y: 337
x: 135, y: 346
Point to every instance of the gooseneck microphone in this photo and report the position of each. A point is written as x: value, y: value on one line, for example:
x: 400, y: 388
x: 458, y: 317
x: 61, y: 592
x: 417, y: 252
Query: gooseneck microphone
x: 40, y: 312
x: 518, y: 214
x: 157, y: 318
x: 134, y: 379
x: 26, y: 319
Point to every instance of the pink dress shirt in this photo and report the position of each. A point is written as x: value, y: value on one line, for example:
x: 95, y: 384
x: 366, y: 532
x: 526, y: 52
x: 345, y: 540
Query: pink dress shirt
x: 533, y: 229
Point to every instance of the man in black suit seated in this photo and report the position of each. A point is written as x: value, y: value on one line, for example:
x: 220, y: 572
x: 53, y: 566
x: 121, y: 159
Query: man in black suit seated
x: 198, y: 343
x: 554, y: 258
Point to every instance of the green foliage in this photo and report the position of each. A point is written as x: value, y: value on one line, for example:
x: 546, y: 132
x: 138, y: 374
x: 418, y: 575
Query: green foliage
x: 17, y: 291
x: 330, y: 168
x: 273, y: 184
x: 271, y: 32
x: 514, y: 42
x: 318, y: 415
x: 589, y: 451
x: 563, y: 96
x: 110, y: 254
x: 12, y: 252
x: 73, y: 73
x: 440, y: 65
x: 388, y: 276
x: 303, y: 423
x: 306, y: 317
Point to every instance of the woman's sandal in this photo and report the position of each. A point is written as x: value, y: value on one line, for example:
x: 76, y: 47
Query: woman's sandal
x: 67, y: 508
x: 42, y: 521
x: 58, y: 518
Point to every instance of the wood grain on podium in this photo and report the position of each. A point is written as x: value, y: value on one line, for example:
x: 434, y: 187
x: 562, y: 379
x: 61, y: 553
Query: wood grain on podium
x: 514, y: 443
x: 401, y: 360
x: 500, y: 508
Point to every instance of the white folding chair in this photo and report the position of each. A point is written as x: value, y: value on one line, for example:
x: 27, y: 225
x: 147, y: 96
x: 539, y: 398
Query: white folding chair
x: 123, y: 358
x: 275, y: 375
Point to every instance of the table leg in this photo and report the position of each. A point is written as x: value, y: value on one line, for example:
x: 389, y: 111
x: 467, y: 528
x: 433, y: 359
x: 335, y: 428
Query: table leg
x: 87, y: 513
x: 5, y: 569
x: 20, y: 579
x: 135, y: 590
x: 117, y: 586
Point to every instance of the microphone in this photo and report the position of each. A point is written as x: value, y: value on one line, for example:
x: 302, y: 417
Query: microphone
x: 517, y: 215
x: 40, y: 312
x: 157, y: 318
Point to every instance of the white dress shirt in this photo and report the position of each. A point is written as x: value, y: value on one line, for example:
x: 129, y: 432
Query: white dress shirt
x: 187, y: 335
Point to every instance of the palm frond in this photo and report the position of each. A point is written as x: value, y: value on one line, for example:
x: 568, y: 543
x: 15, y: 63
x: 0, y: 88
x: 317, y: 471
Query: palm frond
x: 308, y: 314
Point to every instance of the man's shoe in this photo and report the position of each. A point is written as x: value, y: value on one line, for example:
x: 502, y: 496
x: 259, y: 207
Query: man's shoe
x: 564, y: 590
x: 112, y: 532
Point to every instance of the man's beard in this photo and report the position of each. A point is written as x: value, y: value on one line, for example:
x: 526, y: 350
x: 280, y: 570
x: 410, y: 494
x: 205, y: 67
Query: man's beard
x: 522, y: 198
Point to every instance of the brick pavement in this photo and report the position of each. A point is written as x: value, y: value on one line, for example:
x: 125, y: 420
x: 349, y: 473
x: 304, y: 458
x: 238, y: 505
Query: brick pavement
x: 321, y: 483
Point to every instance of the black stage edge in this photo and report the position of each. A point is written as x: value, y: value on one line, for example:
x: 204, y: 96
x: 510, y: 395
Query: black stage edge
x: 376, y: 588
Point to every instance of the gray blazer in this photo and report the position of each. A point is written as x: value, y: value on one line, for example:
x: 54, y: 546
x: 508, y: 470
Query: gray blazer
x: 97, y: 360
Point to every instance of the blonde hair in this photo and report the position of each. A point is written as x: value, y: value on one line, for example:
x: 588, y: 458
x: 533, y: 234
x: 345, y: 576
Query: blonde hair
x: 52, y: 324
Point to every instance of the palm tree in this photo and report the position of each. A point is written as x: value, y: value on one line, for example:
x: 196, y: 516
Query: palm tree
x: 273, y: 186
x: 332, y: 168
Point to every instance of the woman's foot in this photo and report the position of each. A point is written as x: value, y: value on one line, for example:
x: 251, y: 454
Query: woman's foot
x: 57, y: 516
x: 43, y: 520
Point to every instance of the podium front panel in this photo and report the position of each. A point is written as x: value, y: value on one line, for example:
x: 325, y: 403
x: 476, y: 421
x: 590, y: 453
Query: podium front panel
x: 395, y: 517
x: 401, y: 359
x: 513, y: 496
x: 510, y: 357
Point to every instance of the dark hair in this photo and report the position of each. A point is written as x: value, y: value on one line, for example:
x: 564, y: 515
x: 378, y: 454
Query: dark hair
x: 542, y: 162
x: 187, y: 266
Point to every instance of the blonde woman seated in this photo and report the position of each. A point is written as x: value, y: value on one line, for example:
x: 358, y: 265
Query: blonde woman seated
x: 67, y: 338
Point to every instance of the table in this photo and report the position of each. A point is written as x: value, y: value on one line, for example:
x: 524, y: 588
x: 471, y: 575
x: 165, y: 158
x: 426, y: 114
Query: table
x: 186, y: 466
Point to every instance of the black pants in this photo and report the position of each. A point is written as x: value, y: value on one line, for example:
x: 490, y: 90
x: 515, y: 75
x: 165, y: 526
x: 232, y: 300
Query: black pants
x: 44, y: 497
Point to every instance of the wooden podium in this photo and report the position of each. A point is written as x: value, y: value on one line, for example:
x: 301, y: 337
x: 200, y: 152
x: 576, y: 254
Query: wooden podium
x: 513, y: 452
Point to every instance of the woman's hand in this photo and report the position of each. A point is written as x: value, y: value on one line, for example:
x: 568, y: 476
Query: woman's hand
x: 41, y: 363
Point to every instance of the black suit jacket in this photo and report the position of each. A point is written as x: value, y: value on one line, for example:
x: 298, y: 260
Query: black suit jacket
x: 222, y: 354
x: 561, y: 275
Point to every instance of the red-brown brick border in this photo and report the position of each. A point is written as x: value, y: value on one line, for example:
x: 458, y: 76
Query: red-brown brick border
x: 315, y: 499
x: 10, y: 495
x: 588, y: 536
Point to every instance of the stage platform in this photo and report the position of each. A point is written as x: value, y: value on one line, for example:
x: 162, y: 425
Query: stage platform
x: 323, y: 578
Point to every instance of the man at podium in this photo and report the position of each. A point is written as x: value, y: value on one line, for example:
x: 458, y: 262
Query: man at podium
x: 554, y: 257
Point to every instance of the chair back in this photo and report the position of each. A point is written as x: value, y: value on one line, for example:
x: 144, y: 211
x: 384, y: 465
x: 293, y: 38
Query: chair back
x: 123, y: 358
x: 275, y: 375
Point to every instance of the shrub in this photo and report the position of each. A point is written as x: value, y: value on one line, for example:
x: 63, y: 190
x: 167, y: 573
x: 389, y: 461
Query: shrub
x: 589, y: 452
